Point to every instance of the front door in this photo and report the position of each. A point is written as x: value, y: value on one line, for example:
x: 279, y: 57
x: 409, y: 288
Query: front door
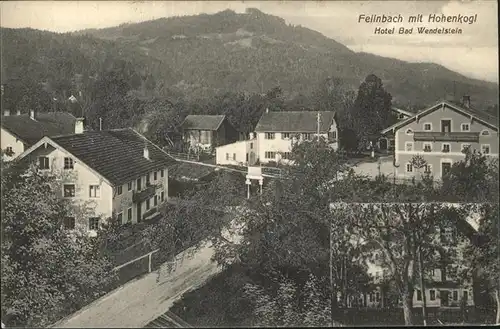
x: 445, y: 168
x: 139, y: 212
x: 446, y: 126
x: 445, y: 294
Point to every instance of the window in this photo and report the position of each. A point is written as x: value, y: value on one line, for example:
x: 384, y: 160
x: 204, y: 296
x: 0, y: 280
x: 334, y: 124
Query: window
x: 377, y: 294
x: 155, y: 175
x: 251, y: 146
x: 94, y: 191
x: 119, y: 190
x: 485, y: 149
x: 148, y: 204
x: 287, y: 155
x: 485, y: 133
x: 455, y: 295
x: 409, y: 167
x: 333, y: 134
x: 68, y: 163
x: 129, y: 215
x: 119, y: 218
x: 446, y: 148
x: 370, y: 297
x: 9, y: 150
x: 306, y: 136
x: 427, y: 147
x: 162, y: 173
x: 285, y: 135
x: 409, y: 146
x: 465, y: 127
x: 465, y: 147
x: 129, y: 186
x: 162, y: 196
x: 466, y: 295
x: 156, y: 200
x: 43, y: 162
x: 69, y: 190
x: 93, y: 223
x: 432, y: 294
x: 234, y: 156
x: 409, y: 132
x: 269, y: 135
x: 69, y: 223
x: 270, y: 155
x: 428, y: 169
x: 147, y: 179
x: 419, y: 294
x: 433, y: 272
x: 427, y: 126
x: 227, y: 156
x: 139, y: 187
x: 246, y: 158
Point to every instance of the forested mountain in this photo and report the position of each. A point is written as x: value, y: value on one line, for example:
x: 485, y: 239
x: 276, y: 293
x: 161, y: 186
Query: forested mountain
x: 123, y: 72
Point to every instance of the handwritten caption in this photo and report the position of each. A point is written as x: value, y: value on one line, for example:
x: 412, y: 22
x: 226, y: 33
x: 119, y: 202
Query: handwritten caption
x: 440, y: 19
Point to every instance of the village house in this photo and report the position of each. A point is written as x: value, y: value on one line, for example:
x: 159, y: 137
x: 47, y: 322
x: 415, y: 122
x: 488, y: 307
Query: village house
x: 388, y: 142
x: 439, y: 134
x: 115, y: 172
x: 208, y: 131
x: 275, y: 135
x: 20, y: 131
x: 442, y: 290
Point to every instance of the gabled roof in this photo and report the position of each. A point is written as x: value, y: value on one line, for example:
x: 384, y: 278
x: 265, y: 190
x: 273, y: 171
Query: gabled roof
x: 203, y: 122
x: 115, y: 155
x: 395, y: 109
x: 30, y: 131
x: 481, y: 116
x: 295, y: 121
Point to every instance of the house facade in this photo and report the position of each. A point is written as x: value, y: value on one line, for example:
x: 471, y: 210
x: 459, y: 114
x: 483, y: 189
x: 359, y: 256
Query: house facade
x: 439, y: 134
x: 276, y: 132
x: 115, y: 172
x: 388, y: 142
x: 208, y: 131
x: 241, y: 153
x: 20, y: 131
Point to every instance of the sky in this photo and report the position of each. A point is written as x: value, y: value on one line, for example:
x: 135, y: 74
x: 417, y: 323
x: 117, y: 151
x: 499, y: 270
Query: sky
x: 473, y: 53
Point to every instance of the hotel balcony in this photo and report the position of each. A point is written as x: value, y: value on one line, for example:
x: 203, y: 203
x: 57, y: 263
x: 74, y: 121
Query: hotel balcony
x: 431, y: 136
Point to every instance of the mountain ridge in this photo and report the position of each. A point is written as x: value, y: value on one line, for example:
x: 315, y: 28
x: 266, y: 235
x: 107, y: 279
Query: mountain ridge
x: 247, y: 52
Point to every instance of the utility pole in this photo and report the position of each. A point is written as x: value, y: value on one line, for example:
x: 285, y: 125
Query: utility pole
x: 100, y: 123
x: 333, y: 297
x: 422, y: 287
x: 319, y: 120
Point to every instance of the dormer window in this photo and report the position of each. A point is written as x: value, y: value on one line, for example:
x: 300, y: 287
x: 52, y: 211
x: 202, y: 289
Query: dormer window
x: 409, y: 132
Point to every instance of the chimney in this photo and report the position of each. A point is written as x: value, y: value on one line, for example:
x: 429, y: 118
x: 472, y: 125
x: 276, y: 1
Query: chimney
x: 33, y: 114
x: 6, y: 113
x: 79, y: 126
x: 18, y: 112
x: 252, y: 136
x: 146, y: 152
x: 466, y: 101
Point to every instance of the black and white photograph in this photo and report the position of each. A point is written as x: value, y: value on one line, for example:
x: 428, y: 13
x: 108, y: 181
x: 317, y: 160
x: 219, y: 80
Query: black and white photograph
x: 180, y: 164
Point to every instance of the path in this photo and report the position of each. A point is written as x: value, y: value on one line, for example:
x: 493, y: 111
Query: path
x: 140, y: 301
x: 371, y: 168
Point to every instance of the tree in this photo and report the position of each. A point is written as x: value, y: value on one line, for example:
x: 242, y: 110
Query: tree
x: 371, y: 111
x: 474, y: 179
x: 401, y: 231
x: 483, y: 256
x: 47, y: 272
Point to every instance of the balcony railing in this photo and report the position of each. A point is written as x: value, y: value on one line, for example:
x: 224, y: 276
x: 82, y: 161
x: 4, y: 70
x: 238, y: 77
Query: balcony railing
x: 144, y: 194
x: 431, y: 136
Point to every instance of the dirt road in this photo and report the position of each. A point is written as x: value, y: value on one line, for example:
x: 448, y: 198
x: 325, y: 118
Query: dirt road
x: 142, y: 300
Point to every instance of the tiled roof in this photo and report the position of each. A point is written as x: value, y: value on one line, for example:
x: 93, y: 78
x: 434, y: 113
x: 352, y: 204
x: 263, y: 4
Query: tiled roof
x: 294, y: 121
x: 203, y: 122
x: 117, y: 155
x: 47, y: 124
